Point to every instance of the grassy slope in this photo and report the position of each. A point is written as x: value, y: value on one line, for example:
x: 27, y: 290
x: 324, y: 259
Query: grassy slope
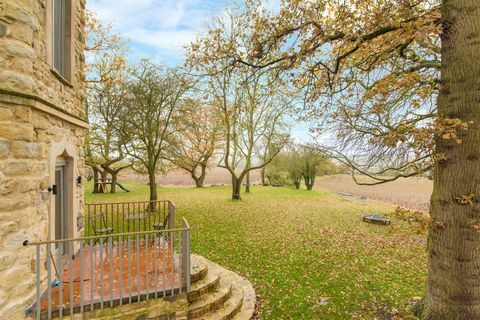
x: 298, y: 247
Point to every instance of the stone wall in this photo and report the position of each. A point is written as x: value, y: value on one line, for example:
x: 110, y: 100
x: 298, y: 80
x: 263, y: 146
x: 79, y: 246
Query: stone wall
x: 39, y: 112
x: 154, y: 309
x: 24, y: 65
x: 26, y: 136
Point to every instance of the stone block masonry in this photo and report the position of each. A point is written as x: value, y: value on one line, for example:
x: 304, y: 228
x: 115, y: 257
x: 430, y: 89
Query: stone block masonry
x: 41, y: 115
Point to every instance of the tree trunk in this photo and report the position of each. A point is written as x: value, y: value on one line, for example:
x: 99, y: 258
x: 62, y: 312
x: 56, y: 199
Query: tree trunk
x: 297, y: 184
x: 247, y: 182
x: 113, y: 187
x: 236, y: 188
x: 262, y: 174
x: 309, y: 180
x: 102, y: 185
x: 95, y: 180
x: 453, y: 282
x: 153, y: 185
x: 201, y: 178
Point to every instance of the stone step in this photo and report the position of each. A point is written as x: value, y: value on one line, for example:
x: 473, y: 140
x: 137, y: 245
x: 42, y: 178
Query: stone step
x: 210, y: 302
x: 198, y: 269
x: 202, y: 287
x: 249, y: 300
x: 231, y: 307
x: 240, y: 305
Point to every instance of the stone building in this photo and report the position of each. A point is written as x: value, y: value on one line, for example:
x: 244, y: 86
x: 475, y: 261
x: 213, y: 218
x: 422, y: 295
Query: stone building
x: 42, y: 126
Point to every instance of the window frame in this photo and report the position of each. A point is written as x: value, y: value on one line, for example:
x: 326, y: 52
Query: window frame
x: 67, y: 35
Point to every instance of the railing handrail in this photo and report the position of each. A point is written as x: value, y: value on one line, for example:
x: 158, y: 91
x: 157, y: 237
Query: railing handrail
x: 166, y: 258
x: 124, y: 202
x: 39, y: 242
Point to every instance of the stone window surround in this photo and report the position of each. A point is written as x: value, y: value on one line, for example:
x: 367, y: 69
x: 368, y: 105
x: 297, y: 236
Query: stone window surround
x: 67, y: 152
x: 68, y: 78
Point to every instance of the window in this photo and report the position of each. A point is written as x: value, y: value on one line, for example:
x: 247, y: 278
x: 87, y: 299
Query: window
x: 61, y: 37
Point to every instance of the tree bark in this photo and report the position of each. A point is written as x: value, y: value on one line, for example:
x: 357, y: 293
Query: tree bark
x: 453, y: 282
x: 95, y: 180
x: 201, y: 178
x: 113, y: 187
x: 236, y: 188
x: 247, y: 182
x: 153, y: 185
x: 262, y: 175
x: 309, y: 181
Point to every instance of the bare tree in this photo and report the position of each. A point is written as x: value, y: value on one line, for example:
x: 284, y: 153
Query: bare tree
x: 196, y: 139
x: 155, y: 95
x: 252, y: 105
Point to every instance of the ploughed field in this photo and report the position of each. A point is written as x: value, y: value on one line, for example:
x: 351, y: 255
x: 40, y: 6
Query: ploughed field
x: 308, y: 254
x: 412, y: 193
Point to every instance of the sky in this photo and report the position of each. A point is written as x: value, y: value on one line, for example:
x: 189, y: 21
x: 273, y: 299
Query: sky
x: 159, y: 29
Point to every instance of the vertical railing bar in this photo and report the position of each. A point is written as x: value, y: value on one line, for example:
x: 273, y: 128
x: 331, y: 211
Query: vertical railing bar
x: 96, y: 221
x: 180, y: 265
x: 129, y: 270
x: 102, y: 273
x: 164, y: 267
x: 49, y: 280
x: 92, y: 275
x: 128, y: 218
x: 139, y: 279
x: 144, y: 218
x: 123, y: 217
x: 81, y: 276
x: 110, y: 258
x: 149, y: 216
x: 37, y: 274
x: 187, y: 252
x: 146, y: 235
x: 114, y: 217
x: 118, y: 219
x: 155, y: 264
x: 120, y: 259
x: 70, y: 282
x: 60, y: 282
x: 172, y: 260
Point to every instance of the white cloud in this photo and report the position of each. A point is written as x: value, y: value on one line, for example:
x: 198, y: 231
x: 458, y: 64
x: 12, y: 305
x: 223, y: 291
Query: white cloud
x: 156, y: 28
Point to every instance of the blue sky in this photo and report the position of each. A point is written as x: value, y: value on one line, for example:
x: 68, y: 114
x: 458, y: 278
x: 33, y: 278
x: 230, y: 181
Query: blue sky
x: 157, y: 28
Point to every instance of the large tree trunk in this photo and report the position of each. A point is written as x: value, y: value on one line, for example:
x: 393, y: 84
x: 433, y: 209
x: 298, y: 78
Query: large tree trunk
x: 201, y: 178
x: 114, y: 175
x: 95, y: 180
x: 102, y: 186
x: 297, y: 184
x: 153, y: 185
x: 309, y: 181
x: 236, y: 188
x: 453, y: 283
x: 262, y: 174
x: 247, y: 182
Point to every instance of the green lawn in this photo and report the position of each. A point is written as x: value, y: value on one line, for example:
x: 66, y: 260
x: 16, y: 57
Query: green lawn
x: 298, y: 247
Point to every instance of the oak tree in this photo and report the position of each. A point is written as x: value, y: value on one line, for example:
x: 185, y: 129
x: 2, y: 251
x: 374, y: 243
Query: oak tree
x: 399, y: 82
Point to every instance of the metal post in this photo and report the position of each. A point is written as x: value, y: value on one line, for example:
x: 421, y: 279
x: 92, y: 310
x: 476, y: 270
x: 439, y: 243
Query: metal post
x: 37, y: 273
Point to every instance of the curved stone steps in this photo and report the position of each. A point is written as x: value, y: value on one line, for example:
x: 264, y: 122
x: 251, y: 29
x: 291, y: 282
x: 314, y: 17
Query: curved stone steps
x: 231, y: 307
x: 249, y: 300
x: 210, y: 302
x: 199, y: 269
x: 232, y: 297
x: 202, y: 287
